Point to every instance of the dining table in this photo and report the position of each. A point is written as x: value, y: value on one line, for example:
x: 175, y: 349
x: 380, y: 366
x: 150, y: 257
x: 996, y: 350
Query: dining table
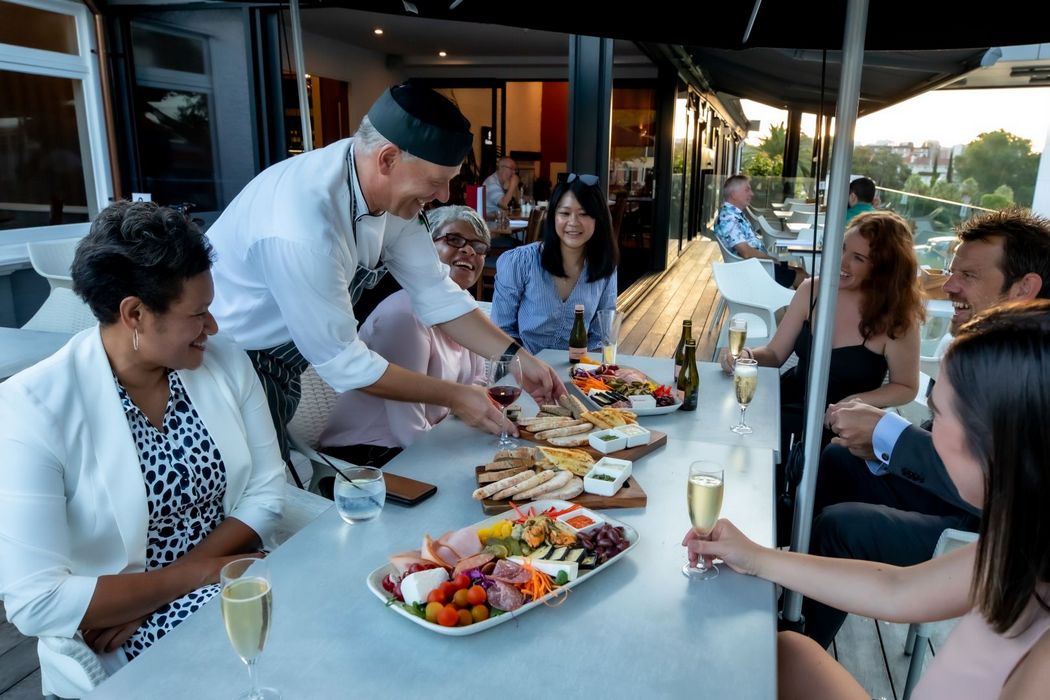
x: 21, y: 348
x: 636, y: 628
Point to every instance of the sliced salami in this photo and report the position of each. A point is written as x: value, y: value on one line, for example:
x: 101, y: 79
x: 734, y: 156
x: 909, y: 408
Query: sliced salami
x: 505, y: 597
x: 508, y: 572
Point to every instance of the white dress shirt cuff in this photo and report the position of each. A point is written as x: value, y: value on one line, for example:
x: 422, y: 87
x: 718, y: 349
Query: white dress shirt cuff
x: 887, y: 431
x: 353, y: 368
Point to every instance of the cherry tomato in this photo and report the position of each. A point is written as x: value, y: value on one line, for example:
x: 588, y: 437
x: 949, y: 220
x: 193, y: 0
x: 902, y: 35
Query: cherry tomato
x: 461, y: 599
x: 465, y: 618
x: 479, y: 612
x: 448, y: 617
x: 437, y: 596
x: 448, y: 590
x: 476, y: 595
x: 461, y: 581
x: 433, y: 610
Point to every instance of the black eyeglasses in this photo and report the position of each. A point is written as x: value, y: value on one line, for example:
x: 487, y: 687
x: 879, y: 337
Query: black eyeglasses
x: 457, y: 241
x: 589, y: 180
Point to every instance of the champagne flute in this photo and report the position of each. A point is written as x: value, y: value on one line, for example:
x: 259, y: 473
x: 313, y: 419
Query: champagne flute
x: 704, y: 492
x: 737, y: 337
x: 745, y: 381
x: 504, y: 387
x: 247, y: 604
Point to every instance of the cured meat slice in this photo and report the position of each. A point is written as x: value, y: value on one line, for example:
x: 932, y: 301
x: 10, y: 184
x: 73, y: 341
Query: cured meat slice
x: 505, y: 597
x: 508, y: 572
x: 475, y: 562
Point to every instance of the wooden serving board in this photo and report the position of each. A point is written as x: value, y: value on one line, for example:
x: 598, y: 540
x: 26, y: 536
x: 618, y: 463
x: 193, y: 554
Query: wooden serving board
x: 657, y: 439
x: 630, y: 496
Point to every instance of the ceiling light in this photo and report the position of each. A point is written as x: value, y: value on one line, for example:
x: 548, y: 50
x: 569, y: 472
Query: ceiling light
x: 378, y: 31
x: 442, y: 53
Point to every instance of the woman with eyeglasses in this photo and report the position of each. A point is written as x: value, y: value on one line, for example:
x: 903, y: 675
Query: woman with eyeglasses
x: 539, y: 285
x: 370, y: 431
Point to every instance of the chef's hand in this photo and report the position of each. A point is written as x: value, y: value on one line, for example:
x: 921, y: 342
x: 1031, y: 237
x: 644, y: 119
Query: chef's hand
x: 539, y: 379
x: 473, y: 405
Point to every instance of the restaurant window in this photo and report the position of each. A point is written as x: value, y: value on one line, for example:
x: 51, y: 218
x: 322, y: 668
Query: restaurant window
x: 53, y: 164
x: 175, y: 131
x: 632, y: 159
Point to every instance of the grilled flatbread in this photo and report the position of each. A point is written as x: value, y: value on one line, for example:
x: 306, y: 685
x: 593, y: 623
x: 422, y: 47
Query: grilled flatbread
x: 609, y: 417
x: 576, y: 461
x: 557, y: 482
x: 568, y: 492
x: 531, y: 483
x: 575, y: 406
x: 555, y: 410
x: 486, y: 491
x: 516, y: 453
x: 505, y: 464
x: 583, y: 427
x: 571, y: 440
x: 493, y: 477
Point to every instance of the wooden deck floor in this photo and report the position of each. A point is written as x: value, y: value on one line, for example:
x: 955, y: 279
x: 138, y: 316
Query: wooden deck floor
x: 872, y: 651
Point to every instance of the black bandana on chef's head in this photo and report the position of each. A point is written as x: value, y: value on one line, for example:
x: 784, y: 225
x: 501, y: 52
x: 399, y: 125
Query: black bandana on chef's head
x: 426, y: 124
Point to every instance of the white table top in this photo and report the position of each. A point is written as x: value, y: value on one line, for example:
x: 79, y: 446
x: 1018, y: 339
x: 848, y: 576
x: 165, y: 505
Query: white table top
x: 717, y: 408
x: 658, y: 633
x: 21, y: 348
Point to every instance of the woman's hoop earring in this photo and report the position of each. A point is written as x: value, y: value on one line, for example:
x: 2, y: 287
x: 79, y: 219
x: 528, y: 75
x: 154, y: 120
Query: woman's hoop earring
x: 135, y: 339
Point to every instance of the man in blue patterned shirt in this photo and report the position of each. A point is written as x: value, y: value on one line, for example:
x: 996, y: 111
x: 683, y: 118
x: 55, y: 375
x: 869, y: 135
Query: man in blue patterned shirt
x: 734, y: 231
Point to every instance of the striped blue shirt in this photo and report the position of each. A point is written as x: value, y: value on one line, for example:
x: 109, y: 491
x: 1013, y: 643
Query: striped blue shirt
x: 526, y: 304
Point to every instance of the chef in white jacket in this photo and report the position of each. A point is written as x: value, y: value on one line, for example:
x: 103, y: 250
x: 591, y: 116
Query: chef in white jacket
x: 307, y: 234
x: 137, y: 460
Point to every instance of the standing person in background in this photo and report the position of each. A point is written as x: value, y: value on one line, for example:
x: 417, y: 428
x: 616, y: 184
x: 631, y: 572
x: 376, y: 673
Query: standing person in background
x: 297, y: 245
x: 734, y: 231
x: 370, y: 431
x: 501, y: 186
x: 861, y: 197
x: 538, y: 285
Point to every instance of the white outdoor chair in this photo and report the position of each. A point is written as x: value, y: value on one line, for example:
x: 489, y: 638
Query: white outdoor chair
x: 52, y: 260
x: 917, y: 411
x: 747, y: 289
x: 788, y: 203
x: 919, y: 634
x: 304, y: 430
x: 62, y: 311
x: 730, y: 256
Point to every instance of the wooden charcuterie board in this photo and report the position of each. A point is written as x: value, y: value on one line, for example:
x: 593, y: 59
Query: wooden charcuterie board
x: 630, y: 496
x: 658, y: 439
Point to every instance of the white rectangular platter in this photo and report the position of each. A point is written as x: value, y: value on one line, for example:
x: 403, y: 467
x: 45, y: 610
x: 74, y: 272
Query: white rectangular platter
x: 375, y: 578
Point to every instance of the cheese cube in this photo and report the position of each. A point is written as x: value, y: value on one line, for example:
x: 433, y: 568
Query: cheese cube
x: 416, y: 587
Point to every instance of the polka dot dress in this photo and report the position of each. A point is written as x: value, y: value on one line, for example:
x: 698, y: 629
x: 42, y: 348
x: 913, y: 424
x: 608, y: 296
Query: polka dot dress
x: 185, y: 484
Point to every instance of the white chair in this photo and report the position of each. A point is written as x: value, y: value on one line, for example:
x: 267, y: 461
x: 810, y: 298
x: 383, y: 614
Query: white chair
x: 730, y: 256
x: 304, y: 430
x: 62, y: 311
x: 917, y: 411
x: 52, y: 260
x: 300, y: 509
x: 788, y: 203
x: 747, y: 289
x: 919, y: 634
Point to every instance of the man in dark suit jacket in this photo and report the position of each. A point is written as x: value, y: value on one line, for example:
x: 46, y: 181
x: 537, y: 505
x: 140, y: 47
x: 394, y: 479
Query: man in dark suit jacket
x: 883, y: 493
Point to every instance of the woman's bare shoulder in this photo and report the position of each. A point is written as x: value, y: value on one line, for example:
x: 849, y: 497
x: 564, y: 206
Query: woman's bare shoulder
x: 1031, y: 676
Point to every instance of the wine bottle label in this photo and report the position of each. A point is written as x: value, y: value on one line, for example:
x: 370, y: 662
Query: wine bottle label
x: 677, y: 369
x: 576, y: 354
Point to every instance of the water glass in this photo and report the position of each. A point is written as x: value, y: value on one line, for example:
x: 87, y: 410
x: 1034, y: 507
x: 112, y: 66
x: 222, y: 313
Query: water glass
x: 360, y: 493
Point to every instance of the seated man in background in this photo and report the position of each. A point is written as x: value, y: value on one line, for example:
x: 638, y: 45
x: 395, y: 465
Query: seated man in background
x: 734, y: 231
x: 501, y: 186
x: 894, y: 507
x: 861, y: 197
x: 370, y: 431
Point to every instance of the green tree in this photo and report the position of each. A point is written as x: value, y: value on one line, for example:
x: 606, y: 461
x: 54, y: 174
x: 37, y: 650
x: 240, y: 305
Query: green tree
x: 1000, y: 158
x: 1000, y: 199
x: 773, y: 146
x: 882, y: 165
x: 756, y: 163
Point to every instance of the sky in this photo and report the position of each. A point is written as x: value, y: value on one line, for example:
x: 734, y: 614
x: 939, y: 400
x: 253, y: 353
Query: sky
x: 948, y: 116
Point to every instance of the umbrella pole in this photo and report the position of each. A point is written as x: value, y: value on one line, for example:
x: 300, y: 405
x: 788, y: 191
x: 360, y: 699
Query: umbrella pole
x: 834, y: 225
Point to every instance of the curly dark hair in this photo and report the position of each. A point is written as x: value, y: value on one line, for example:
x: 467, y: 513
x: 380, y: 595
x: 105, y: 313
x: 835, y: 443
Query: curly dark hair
x: 1026, y: 243
x: 139, y: 250
x: 893, y: 301
x: 601, y: 252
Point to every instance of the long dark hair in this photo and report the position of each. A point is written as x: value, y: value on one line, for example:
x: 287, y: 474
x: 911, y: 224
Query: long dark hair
x: 601, y: 252
x: 999, y: 366
x: 892, y: 297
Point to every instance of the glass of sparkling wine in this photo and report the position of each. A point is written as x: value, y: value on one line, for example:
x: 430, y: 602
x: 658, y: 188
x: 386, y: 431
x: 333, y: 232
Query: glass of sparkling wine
x: 504, y: 387
x: 737, y: 337
x: 247, y: 604
x: 609, y: 321
x: 706, y: 481
x: 360, y: 493
x: 745, y: 381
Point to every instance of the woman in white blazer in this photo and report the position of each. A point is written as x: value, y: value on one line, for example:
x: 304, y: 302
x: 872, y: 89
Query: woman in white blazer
x: 139, y: 458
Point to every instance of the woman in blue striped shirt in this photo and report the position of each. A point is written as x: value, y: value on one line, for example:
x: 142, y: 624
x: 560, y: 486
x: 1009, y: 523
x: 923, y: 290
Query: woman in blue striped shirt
x: 539, y: 285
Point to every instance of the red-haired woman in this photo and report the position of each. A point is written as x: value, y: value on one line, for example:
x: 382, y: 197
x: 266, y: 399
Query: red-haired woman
x: 875, y: 329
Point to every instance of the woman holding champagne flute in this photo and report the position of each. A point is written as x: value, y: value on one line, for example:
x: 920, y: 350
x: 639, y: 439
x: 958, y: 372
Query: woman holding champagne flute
x: 875, y: 328
x: 139, y: 459
x: 990, y: 434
